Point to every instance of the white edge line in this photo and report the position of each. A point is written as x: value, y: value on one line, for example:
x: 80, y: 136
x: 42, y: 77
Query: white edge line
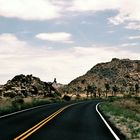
x: 24, y: 110
x: 108, y: 126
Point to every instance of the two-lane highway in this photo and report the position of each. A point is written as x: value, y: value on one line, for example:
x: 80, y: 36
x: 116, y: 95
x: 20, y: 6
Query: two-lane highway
x: 56, y: 122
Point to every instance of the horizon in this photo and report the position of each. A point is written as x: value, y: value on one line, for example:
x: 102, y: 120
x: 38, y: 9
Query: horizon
x: 72, y: 79
x: 64, y: 39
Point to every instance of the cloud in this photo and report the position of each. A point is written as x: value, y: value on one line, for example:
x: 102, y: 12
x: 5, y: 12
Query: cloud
x: 17, y: 56
x: 133, y: 25
x: 10, y: 44
x: 10, y: 48
x: 29, y: 9
x: 129, y: 44
x: 134, y: 37
x: 128, y: 10
x: 94, y: 5
x: 110, y: 32
x: 62, y: 37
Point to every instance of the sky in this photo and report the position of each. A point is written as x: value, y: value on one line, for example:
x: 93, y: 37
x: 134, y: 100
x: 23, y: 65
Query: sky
x: 63, y: 39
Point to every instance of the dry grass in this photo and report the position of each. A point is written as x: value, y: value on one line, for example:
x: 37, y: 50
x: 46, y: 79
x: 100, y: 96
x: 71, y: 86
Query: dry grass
x: 129, y: 127
x: 131, y: 104
x: 5, y: 103
x: 125, y: 115
x: 12, y: 105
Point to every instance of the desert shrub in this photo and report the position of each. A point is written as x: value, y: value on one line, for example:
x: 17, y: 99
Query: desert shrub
x: 66, y: 98
x: 17, y: 103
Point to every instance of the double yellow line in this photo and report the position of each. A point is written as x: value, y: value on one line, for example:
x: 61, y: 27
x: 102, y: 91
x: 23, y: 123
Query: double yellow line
x: 40, y: 124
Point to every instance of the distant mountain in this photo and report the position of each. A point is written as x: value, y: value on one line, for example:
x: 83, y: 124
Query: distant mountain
x: 119, y: 72
x: 24, y: 86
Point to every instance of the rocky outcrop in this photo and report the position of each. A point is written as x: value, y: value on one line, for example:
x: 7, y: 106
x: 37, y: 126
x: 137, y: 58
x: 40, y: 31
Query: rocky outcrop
x: 119, y: 72
x: 24, y: 86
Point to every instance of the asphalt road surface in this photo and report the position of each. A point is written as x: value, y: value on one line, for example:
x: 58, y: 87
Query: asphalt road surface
x: 76, y: 122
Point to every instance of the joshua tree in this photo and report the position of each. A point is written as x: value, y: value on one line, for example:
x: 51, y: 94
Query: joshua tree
x: 88, y: 89
x: 99, y: 90
x: 78, y: 91
x: 137, y: 89
x: 107, y: 88
x: 115, y: 90
x: 91, y: 90
x: 94, y: 89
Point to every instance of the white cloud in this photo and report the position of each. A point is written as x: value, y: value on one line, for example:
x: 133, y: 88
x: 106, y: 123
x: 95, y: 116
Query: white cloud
x: 129, y: 44
x: 9, y: 44
x: 133, y: 25
x: 94, y: 5
x: 29, y: 9
x: 128, y: 10
x: 18, y: 57
x: 133, y: 37
x: 62, y: 37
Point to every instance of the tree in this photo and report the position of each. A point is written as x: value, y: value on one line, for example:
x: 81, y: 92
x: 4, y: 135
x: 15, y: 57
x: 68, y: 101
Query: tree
x: 115, y: 90
x: 131, y: 90
x: 88, y: 89
x: 107, y: 88
x: 91, y: 90
x: 137, y: 89
x: 99, y: 92
x: 78, y: 91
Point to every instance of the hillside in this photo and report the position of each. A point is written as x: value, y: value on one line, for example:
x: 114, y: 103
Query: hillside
x: 24, y: 86
x: 121, y: 73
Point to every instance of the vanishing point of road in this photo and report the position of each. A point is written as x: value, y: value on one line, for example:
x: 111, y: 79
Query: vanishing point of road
x: 60, y: 121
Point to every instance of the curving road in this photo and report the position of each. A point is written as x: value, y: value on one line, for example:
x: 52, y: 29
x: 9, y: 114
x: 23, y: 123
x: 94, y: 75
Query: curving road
x: 76, y: 122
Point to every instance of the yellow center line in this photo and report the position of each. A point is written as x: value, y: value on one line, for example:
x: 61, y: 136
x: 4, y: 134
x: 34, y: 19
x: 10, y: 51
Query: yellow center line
x: 40, y: 124
x: 35, y: 126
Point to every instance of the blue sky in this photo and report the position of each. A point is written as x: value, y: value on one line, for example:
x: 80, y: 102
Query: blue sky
x: 64, y: 39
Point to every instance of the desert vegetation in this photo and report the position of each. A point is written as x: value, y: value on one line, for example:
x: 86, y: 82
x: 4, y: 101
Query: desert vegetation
x: 124, y: 113
x: 8, y: 105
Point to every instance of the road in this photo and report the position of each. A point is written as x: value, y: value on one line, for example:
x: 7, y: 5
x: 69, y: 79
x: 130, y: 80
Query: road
x: 76, y: 122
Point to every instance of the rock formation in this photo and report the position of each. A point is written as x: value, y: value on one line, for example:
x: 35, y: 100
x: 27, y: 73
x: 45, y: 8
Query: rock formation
x: 24, y: 86
x: 121, y: 73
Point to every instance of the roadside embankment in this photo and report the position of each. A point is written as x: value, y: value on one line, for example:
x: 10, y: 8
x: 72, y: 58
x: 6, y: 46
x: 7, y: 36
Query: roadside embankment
x: 124, y: 114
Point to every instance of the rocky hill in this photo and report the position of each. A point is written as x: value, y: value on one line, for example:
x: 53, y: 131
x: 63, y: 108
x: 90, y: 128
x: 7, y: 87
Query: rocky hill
x: 24, y: 86
x: 119, y: 72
